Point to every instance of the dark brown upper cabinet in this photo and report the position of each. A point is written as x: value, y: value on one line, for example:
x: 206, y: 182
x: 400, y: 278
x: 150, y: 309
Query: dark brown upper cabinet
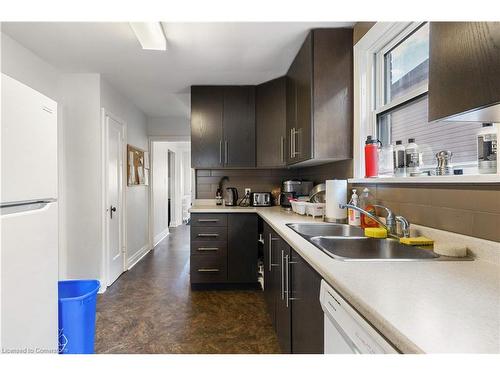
x: 222, y: 126
x: 319, y: 99
x: 207, y: 103
x: 239, y: 126
x: 270, y: 115
x: 464, y: 71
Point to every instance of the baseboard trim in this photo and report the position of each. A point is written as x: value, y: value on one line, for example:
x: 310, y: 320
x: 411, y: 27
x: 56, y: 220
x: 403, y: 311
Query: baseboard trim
x: 159, y: 237
x: 138, y: 255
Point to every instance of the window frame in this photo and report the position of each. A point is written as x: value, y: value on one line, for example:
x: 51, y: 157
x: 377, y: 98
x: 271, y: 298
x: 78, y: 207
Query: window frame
x: 369, y: 64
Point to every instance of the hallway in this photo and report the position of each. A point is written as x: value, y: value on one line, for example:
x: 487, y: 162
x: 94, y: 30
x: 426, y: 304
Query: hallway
x: 152, y: 309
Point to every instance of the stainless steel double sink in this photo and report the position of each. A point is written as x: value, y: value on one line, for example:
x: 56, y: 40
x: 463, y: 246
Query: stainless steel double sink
x: 348, y: 243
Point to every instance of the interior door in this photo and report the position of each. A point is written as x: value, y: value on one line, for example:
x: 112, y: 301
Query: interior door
x: 114, y: 209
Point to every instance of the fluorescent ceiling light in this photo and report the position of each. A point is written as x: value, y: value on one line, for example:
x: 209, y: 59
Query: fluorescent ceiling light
x: 150, y: 35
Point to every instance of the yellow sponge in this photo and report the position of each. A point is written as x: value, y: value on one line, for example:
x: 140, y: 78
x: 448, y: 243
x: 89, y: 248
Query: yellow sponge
x: 416, y: 241
x: 376, y: 232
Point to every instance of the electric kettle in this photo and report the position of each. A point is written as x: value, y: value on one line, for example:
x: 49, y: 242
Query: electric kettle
x: 231, y: 196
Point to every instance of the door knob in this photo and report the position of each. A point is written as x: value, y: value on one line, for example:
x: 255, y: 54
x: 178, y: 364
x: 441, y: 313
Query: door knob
x: 111, y: 210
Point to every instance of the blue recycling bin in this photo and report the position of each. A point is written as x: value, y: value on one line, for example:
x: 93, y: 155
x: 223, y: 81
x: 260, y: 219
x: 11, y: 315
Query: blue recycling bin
x: 77, y: 305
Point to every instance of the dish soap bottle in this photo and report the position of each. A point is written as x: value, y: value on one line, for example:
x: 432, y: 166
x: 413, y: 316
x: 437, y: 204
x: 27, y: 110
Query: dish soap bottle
x: 367, y: 202
x: 354, y: 216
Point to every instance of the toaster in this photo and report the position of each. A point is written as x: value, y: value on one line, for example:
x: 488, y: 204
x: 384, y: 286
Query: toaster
x: 260, y: 199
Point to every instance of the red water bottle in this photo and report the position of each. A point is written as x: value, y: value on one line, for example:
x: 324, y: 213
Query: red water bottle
x: 371, y: 157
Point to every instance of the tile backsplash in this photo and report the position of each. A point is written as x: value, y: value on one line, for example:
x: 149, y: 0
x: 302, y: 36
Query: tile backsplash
x: 207, y: 180
x: 472, y: 210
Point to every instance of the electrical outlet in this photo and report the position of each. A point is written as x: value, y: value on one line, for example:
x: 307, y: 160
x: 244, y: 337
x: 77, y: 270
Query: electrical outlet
x: 247, y: 191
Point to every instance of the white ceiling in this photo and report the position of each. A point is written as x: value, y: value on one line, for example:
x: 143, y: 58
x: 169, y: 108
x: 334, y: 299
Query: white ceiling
x: 158, y: 82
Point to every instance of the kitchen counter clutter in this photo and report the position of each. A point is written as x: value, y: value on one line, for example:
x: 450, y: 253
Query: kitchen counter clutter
x: 420, y: 307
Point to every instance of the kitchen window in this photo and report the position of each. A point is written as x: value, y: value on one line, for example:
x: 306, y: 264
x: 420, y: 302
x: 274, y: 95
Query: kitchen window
x: 391, y: 75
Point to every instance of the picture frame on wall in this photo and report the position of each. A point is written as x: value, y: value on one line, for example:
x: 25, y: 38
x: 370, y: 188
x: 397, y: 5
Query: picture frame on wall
x: 137, y: 166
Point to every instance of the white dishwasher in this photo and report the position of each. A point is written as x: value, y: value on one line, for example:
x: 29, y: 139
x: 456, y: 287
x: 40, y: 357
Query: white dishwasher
x: 347, y: 332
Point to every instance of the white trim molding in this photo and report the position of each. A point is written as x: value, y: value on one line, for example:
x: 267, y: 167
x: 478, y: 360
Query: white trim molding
x: 137, y: 256
x: 160, y: 236
x: 368, y: 102
x: 365, y: 71
x: 104, y: 196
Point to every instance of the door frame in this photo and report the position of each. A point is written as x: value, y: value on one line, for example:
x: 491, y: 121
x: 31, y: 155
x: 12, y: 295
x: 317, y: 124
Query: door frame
x: 105, y: 281
x: 172, y: 177
x: 152, y: 139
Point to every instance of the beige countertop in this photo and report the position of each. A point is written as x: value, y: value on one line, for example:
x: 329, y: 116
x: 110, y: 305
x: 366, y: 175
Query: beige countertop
x: 421, y: 307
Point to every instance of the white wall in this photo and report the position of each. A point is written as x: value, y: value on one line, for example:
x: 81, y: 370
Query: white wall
x: 137, y: 197
x: 186, y: 172
x: 80, y: 99
x: 160, y: 188
x: 26, y: 67
x: 169, y: 126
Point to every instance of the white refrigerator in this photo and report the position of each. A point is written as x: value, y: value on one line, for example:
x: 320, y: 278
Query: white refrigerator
x: 29, y: 220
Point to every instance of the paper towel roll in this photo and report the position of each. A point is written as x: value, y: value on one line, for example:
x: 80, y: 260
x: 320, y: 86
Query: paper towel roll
x: 336, y: 193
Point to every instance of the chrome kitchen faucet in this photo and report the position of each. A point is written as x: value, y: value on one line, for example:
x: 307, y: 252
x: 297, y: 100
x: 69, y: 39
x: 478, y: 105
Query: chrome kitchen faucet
x: 391, y: 220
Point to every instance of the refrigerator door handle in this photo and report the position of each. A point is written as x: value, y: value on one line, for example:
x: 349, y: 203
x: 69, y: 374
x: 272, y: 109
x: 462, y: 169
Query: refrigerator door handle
x: 14, y: 208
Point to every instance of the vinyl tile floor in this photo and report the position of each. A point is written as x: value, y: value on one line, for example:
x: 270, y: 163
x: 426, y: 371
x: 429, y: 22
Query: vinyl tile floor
x: 152, y: 309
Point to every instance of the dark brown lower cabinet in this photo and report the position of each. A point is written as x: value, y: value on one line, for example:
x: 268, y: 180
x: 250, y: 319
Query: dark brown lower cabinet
x: 307, y: 315
x: 242, y: 248
x: 283, y: 306
x: 291, y: 292
x: 224, y: 248
x: 271, y: 279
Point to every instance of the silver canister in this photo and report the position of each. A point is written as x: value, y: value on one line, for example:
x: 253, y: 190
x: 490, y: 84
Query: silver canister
x: 444, y: 166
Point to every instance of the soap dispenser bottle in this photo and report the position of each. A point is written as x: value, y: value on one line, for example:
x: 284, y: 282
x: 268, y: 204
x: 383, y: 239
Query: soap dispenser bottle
x: 367, y: 202
x: 354, y: 215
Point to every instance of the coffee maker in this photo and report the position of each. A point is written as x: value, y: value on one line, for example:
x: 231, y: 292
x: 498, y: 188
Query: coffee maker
x: 294, y: 189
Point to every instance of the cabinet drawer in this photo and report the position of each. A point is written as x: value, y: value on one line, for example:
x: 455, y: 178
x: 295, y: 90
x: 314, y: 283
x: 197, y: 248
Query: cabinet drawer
x: 208, y: 269
x: 208, y: 220
x: 218, y: 248
x: 208, y: 233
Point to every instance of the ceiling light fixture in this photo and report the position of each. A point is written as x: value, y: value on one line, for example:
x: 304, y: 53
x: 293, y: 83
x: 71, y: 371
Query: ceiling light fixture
x: 150, y: 35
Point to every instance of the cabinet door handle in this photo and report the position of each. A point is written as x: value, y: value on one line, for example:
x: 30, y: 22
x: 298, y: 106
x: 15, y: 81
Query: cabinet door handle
x: 282, y: 275
x: 208, y: 248
x: 226, y: 147
x: 282, y: 149
x: 294, y: 134
x: 287, y: 283
x: 220, y: 152
x: 271, y: 239
x: 208, y: 270
x: 208, y: 220
x: 207, y: 235
x: 296, y: 149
